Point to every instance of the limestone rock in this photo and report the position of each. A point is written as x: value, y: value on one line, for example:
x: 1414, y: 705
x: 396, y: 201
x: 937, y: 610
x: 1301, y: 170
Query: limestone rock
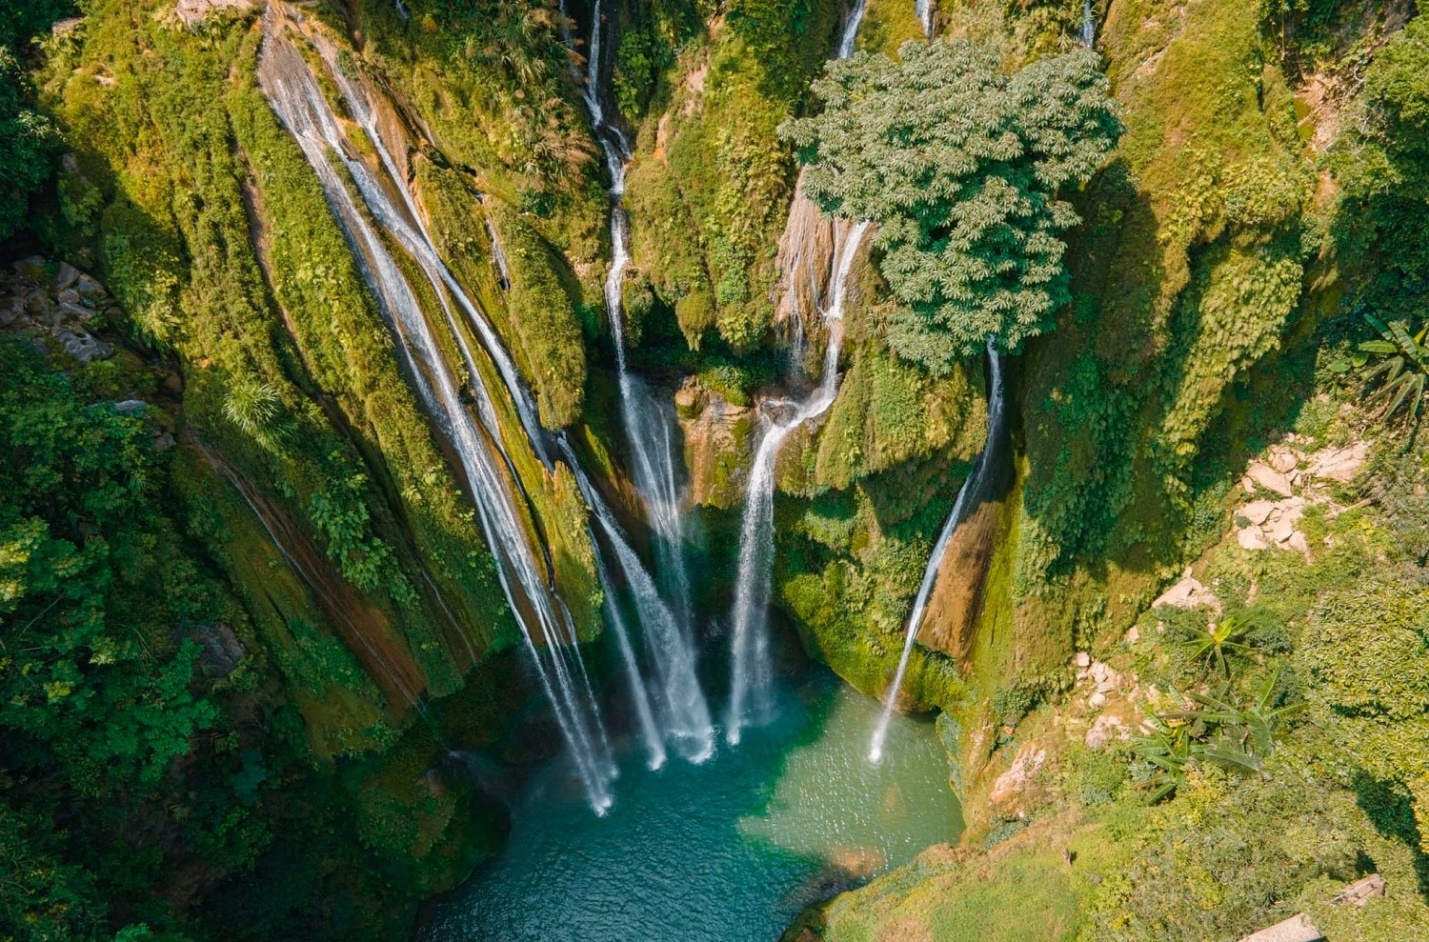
x: 194, y: 12
x: 220, y: 648
x: 1339, y: 464
x: 66, y: 278
x: 1269, y: 478
x: 89, y: 287
x: 32, y: 267
x: 1189, y: 592
x: 1361, y: 891
x: 1106, y: 728
x: 1010, y: 784
x: 82, y: 345
x: 1295, y: 929
x: 1258, y: 511
x: 718, y: 445
x: 1252, y: 538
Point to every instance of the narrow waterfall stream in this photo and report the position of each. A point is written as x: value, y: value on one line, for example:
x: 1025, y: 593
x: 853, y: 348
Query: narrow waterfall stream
x: 649, y: 431
x: 972, y: 487
x: 751, y: 676
x: 751, y: 671
x: 924, y: 9
x: 293, y: 92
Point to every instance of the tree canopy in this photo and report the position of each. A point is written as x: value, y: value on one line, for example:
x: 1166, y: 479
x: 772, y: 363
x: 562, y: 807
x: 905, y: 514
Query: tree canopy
x: 961, y: 166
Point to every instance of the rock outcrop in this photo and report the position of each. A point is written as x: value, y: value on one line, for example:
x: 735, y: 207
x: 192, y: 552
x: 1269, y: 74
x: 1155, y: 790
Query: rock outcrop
x: 718, y: 444
x: 55, y: 311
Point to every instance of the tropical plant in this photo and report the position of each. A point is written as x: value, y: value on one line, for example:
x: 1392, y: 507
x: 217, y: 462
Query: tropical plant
x: 1225, y: 636
x: 963, y: 168
x: 1401, y: 370
x: 28, y: 142
x: 1233, y: 736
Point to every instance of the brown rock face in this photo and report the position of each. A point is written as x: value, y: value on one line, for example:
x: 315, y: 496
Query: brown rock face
x: 718, y: 444
x: 956, y: 601
x: 806, y: 254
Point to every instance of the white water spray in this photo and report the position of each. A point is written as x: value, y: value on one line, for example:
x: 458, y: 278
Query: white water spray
x: 648, y: 430
x: 751, y: 671
x: 293, y: 92
x: 972, y: 486
x: 752, y: 674
x: 924, y: 9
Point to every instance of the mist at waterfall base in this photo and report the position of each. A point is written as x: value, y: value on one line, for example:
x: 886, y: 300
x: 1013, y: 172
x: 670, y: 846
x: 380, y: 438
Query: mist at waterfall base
x: 730, y: 850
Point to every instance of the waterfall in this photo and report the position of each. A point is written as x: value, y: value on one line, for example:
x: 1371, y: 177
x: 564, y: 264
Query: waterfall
x: 972, y: 486
x: 850, y: 31
x: 924, y: 9
x: 1089, y: 24
x: 293, y: 92
x: 751, y: 675
x: 650, y: 436
x: 751, y: 672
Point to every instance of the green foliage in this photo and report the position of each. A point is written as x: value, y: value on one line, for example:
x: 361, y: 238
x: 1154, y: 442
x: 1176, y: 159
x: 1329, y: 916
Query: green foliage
x: 490, y: 80
x: 962, y: 168
x: 706, y: 207
x: 543, y: 318
x: 1236, y: 736
x: 889, y: 412
x: 1229, y: 856
x: 1401, y: 372
x: 28, y: 141
x: 22, y: 19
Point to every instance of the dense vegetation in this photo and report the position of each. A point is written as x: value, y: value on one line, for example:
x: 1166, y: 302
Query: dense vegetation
x: 243, y: 618
x: 962, y: 170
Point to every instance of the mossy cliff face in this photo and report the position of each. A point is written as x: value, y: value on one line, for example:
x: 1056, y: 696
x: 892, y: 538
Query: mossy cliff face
x: 307, y: 472
x: 1209, y: 274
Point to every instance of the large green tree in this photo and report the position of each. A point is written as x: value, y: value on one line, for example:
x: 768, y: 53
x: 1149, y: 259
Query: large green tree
x: 961, y: 165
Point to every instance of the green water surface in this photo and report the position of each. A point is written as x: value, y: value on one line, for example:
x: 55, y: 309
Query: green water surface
x: 728, y: 851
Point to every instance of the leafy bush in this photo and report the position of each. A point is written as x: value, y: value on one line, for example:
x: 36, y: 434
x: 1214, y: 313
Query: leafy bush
x: 28, y: 144
x: 962, y: 168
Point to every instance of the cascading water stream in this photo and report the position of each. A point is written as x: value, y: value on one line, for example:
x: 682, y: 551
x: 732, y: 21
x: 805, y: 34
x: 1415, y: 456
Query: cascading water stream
x: 648, y: 431
x: 973, y: 485
x: 293, y: 92
x: 924, y: 10
x: 751, y: 672
x: 1089, y: 25
x: 751, y: 675
x: 685, y: 714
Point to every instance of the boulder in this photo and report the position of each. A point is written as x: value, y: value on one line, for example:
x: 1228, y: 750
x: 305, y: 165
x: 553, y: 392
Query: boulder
x: 1282, y: 459
x: 1282, y: 529
x: 1269, y: 478
x: 1258, y: 511
x: 32, y: 267
x: 193, y: 12
x: 1189, y: 592
x: 82, y: 345
x: 1252, y: 538
x: 1011, y: 783
x: 89, y: 287
x: 66, y: 278
x: 1295, y: 929
x: 1361, y: 891
x: 1339, y: 464
x: 1106, y: 728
